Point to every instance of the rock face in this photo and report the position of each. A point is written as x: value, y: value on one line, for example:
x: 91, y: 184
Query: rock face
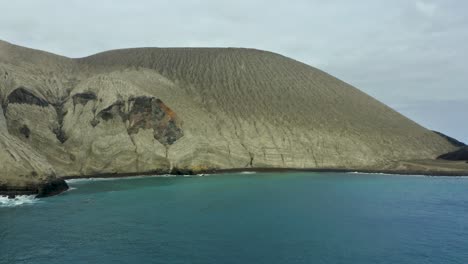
x: 188, y: 110
x: 460, y: 154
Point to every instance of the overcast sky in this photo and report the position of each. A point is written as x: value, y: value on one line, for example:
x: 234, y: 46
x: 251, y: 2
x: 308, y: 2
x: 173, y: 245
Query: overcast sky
x: 409, y: 54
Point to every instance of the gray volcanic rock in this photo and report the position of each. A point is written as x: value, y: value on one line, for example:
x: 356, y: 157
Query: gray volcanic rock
x: 190, y: 110
x: 460, y: 154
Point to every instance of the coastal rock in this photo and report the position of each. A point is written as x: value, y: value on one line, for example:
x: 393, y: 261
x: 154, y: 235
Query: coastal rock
x: 52, y: 187
x: 22, y: 168
x: 39, y: 189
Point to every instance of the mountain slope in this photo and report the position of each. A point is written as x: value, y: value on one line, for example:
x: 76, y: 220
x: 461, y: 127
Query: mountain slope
x: 196, y: 109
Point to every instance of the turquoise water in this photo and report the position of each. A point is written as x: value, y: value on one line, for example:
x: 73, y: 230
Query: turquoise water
x: 243, y: 218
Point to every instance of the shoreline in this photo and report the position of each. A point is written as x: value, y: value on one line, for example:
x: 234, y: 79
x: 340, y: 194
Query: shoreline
x: 328, y: 170
x: 59, y: 185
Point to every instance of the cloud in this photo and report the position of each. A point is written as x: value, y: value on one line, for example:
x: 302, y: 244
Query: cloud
x: 397, y: 51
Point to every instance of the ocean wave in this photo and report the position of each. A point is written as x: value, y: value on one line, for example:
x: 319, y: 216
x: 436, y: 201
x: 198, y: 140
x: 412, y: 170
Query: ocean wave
x: 375, y: 173
x: 79, y: 180
x: 248, y: 172
x: 18, y: 200
x: 393, y: 174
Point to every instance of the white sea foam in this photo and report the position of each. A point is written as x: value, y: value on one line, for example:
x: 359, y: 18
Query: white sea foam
x: 248, y: 172
x: 374, y: 173
x: 71, y: 181
x: 79, y: 180
x: 17, y: 201
x: 395, y: 174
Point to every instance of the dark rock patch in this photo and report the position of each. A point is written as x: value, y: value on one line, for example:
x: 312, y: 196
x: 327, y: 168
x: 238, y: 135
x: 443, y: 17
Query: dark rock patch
x: 12, y: 191
x: 109, y: 113
x: 58, y: 129
x: 49, y: 188
x: 107, y: 116
x: 181, y: 171
x: 152, y: 113
x: 83, y: 98
x: 52, y: 187
x: 145, y: 113
x: 251, y: 159
x: 25, y: 131
x: 23, y: 96
x: 94, y: 122
x: 60, y: 134
x: 169, y: 133
x: 460, y: 154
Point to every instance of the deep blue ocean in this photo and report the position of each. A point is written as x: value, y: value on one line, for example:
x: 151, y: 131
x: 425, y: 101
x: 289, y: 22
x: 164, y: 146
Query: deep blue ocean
x: 243, y: 218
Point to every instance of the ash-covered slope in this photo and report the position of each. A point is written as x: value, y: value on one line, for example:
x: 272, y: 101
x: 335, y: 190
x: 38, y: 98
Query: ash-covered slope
x: 286, y: 113
x: 194, y: 109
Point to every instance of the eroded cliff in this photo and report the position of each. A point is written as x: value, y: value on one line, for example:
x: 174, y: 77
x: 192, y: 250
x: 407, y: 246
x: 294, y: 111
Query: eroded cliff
x: 155, y: 110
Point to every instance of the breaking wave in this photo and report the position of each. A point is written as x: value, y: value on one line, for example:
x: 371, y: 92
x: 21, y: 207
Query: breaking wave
x: 393, y: 174
x: 17, y: 201
x: 80, y: 180
x: 248, y: 172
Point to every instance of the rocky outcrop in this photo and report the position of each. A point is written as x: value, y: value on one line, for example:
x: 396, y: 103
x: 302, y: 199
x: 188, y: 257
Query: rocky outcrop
x: 51, y: 187
x: 40, y: 190
x: 23, y: 96
x: 152, y: 113
x: 23, y: 169
x: 460, y: 154
x: 83, y: 98
x: 181, y: 110
x: 144, y: 113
